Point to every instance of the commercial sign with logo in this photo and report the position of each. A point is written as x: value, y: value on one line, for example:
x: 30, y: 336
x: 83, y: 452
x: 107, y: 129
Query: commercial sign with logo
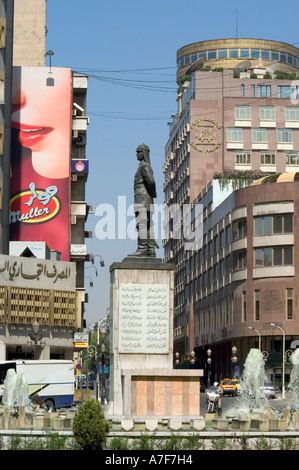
x: 41, y: 156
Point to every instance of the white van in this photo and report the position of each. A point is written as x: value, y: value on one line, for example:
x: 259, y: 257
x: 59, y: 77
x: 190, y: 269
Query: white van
x: 51, y: 380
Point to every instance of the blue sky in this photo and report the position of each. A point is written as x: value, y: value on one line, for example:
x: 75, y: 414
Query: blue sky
x: 128, y: 49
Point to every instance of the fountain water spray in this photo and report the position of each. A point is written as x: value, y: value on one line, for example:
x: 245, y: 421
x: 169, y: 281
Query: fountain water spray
x: 294, y: 381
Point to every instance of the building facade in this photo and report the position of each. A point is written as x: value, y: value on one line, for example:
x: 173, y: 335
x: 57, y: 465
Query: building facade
x: 233, y: 125
x: 42, y: 290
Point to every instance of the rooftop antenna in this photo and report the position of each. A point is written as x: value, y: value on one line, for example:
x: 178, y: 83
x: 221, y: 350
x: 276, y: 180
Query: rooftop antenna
x: 237, y: 23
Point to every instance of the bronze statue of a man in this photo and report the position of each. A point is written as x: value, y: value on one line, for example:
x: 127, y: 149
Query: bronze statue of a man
x: 144, y: 194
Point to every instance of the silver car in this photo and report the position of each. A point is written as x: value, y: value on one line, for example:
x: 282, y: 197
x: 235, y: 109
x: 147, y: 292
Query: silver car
x: 268, y: 390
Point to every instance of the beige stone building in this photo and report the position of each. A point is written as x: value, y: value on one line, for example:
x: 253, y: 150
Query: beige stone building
x: 237, y: 119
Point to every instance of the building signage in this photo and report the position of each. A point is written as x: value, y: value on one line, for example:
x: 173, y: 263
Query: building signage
x: 206, y: 135
x: 144, y: 319
x: 41, y: 157
x: 79, y: 166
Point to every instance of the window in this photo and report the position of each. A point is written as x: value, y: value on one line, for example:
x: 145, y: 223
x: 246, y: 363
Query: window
x: 252, y: 91
x: 243, y: 158
x: 222, y: 54
x: 273, y: 224
x: 259, y: 135
x: 234, y: 134
x: 286, y: 91
x: 284, y: 135
x: 267, y: 158
x: 292, y: 114
x: 233, y: 53
x: 265, y: 54
x: 255, y: 53
x: 257, y: 313
x: 289, y: 304
x: 239, y: 229
x: 264, y: 91
x: 273, y: 256
x: 244, y: 53
x: 275, y: 55
x: 239, y: 260
x: 267, y: 113
x: 242, y: 90
x: 292, y: 158
x: 211, y: 54
x: 242, y: 113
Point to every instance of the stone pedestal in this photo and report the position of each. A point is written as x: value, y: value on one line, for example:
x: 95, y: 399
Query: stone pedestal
x: 143, y: 383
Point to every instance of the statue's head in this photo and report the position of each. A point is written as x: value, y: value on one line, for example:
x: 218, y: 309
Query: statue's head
x: 143, y: 152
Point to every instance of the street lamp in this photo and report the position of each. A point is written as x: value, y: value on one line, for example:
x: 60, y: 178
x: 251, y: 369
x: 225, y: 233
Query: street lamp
x: 254, y: 329
x: 94, y: 268
x: 90, y: 282
x: 209, y: 361
x: 283, y: 357
x: 93, y: 348
x: 103, y: 334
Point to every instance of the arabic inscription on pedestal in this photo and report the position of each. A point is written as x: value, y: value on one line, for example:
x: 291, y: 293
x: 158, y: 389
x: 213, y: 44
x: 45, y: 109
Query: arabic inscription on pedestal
x: 144, y: 318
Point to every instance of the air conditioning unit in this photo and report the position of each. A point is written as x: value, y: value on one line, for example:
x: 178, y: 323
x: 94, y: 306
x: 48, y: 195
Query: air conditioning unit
x: 80, y: 140
x: 74, y: 177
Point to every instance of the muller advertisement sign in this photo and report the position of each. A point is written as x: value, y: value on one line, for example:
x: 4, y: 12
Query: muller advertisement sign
x: 41, y: 156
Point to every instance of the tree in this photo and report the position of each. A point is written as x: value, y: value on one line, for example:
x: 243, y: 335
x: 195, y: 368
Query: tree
x: 90, y: 427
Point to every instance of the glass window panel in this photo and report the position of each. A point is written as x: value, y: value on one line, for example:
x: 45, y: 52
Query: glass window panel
x: 258, y: 257
x: 275, y: 55
x: 288, y: 255
x: 194, y: 57
x: 267, y: 113
x: 284, y: 135
x: 233, y: 53
x: 264, y: 91
x: 277, y: 256
x: 252, y: 91
x: 284, y: 91
x: 242, y: 112
x: 283, y: 57
x: 244, y: 53
x: 265, y: 54
x: 290, y: 59
x: 267, y: 257
x: 202, y: 54
x: 255, y: 53
x: 212, y: 54
x: 258, y: 226
x: 267, y: 225
x: 288, y: 223
x: 277, y: 224
x: 222, y: 53
x: 292, y: 114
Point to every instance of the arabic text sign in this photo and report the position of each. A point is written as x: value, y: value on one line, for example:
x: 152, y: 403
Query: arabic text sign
x: 38, y: 273
x: 144, y: 318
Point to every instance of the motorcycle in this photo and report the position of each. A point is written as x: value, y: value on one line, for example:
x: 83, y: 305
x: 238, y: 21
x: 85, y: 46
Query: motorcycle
x: 213, y: 400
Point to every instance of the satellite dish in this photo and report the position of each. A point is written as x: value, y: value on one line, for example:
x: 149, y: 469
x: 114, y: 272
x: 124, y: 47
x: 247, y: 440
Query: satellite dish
x: 243, y: 66
x: 196, y: 65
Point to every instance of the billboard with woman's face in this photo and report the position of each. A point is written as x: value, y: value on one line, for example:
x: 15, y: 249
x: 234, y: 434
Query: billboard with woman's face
x: 41, y: 156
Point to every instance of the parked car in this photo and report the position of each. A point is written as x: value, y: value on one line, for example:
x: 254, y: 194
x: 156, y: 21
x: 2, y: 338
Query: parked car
x: 229, y: 387
x: 238, y: 383
x: 268, y: 390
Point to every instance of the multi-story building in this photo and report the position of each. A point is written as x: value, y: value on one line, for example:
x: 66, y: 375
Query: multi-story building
x: 238, y: 118
x: 41, y: 285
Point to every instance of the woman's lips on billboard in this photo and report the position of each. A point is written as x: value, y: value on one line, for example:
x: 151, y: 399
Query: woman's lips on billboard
x: 31, y: 135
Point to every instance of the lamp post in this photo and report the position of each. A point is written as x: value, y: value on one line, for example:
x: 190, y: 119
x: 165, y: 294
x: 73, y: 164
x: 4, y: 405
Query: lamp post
x: 94, y: 349
x: 103, y: 334
x: 209, y: 361
x: 259, y: 335
x: 283, y: 357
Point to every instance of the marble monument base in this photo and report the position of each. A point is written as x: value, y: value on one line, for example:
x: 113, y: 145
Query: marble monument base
x: 143, y: 382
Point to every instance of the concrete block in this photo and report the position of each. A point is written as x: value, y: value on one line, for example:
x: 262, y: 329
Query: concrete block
x: 198, y: 424
x: 175, y: 424
x: 151, y: 424
x: 127, y: 424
